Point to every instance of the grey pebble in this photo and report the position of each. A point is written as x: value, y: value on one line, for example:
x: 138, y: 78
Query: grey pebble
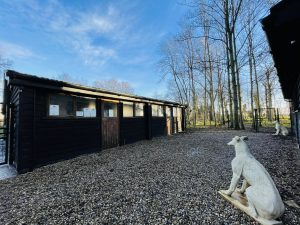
x: 168, y: 180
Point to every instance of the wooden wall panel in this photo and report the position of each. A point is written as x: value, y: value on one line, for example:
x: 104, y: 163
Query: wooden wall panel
x: 110, y: 132
x: 13, y: 139
x: 40, y: 139
x: 133, y: 129
x: 158, y: 126
x: 57, y: 138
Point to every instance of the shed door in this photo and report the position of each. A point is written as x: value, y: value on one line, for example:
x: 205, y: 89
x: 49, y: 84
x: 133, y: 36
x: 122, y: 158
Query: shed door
x: 110, y: 124
x: 169, y: 120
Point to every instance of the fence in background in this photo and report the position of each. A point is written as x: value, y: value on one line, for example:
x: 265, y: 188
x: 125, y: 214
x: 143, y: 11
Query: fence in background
x: 265, y: 117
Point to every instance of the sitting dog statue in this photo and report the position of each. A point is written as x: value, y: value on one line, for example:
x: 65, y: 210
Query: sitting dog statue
x: 263, y: 197
x: 280, y: 129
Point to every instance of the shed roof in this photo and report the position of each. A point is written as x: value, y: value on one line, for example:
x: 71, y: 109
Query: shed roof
x: 282, y: 29
x: 21, y: 79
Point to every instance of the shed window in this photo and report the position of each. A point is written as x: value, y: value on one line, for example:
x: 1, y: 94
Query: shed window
x: 69, y: 106
x: 61, y: 105
x: 160, y: 111
x: 168, y: 111
x: 139, y: 109
x: 179, y: 112
x: 157, y: 110
x: 110, y: 109
x: 127, y: 109
x: 154, y: 110
x: 85, y: 107
x: 174, y: 112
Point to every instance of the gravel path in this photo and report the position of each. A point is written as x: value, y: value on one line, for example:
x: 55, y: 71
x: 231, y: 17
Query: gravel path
x: 169, y: 180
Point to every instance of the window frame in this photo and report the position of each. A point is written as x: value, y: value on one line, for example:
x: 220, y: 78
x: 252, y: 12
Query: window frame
x: 157, y: 113
x: 179, y: 112
x: 58, y: 116
x: 109, y: 102
x: 174, y: 114
x: 133, y: 109
x: 75, y: 106
x: 74, y: 101
x: 142, y: 109
x: 168, y: 111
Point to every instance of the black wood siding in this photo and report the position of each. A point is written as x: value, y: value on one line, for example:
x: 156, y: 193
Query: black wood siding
x: 40, y: 139
x: 60, y: 137
x: 132, y: 129
x: 43, y: 139
x: 158, y: 126
x: 25, y: 149
x: 14, y: 155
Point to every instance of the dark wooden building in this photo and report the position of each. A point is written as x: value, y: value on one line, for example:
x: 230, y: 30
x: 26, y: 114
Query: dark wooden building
x: 49, y: 120
x: 282, y: 27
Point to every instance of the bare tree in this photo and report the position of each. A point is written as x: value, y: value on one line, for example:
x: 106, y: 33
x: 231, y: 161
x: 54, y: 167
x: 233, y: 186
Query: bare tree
x: 115, y: 85
x: 67, y: 78
x: 223, y: 40
x: 172, y: 65
x: 268, y: 84
x: 110, y: 84
x: 5, y: 63
x: 221, y: 94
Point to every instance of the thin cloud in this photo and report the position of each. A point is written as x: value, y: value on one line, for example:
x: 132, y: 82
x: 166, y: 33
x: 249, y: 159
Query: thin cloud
x: 80, y: 31
x: 106, y: 33
x: 11, y: 50
x: 93, y: 55
x: 93, y: 23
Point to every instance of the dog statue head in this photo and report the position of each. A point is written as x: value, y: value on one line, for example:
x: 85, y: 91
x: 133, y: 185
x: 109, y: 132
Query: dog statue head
x: 237, y: 140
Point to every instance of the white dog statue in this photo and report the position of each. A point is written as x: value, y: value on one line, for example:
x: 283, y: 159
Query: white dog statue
x: 263, y: 197
x: 280, y: 129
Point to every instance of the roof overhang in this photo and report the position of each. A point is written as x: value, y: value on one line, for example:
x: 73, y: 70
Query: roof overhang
x: 282, y: 28
x: 19, y: 79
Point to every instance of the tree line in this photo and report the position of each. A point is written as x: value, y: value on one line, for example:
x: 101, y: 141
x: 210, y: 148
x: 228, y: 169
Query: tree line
x: 219, y: 64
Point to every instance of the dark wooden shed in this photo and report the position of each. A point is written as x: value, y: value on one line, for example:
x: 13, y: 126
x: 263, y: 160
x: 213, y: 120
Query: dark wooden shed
x: 49, y: 120
x: 282, y: 27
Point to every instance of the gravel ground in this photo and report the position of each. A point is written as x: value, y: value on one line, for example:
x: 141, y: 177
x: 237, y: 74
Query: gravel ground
x: 169, y: 180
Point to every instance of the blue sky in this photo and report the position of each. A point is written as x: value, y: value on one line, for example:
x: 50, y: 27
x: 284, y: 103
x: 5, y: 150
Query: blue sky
x: 90, y: 40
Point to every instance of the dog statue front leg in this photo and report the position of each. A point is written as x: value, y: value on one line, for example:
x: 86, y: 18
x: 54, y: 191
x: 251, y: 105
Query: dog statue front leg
x: 244, y: 186
x: 277, y: 132
x: 233, y: 184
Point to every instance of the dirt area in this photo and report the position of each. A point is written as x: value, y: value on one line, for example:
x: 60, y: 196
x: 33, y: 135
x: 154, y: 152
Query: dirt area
x: 169, y: 180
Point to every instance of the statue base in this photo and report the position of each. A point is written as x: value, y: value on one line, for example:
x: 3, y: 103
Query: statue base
x: 240, y: 201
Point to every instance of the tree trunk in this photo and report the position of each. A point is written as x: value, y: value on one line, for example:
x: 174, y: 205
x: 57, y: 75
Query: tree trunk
x: 257, y: 86
x: 220, y: 97
x: 234, y: 84
x: 229, y: 83
x: 238, y: 83
x: 211, y: 87
x: 251, y: 82
x: 268, y: 95
x: 229, y: 32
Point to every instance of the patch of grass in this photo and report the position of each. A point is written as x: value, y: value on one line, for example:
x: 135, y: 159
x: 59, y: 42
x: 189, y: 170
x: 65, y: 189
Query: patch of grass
x: 284, y: 121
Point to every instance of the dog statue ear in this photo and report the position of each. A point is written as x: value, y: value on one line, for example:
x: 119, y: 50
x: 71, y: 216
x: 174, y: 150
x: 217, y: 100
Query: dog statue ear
x: 237, y: 138
x: 244, y: 138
